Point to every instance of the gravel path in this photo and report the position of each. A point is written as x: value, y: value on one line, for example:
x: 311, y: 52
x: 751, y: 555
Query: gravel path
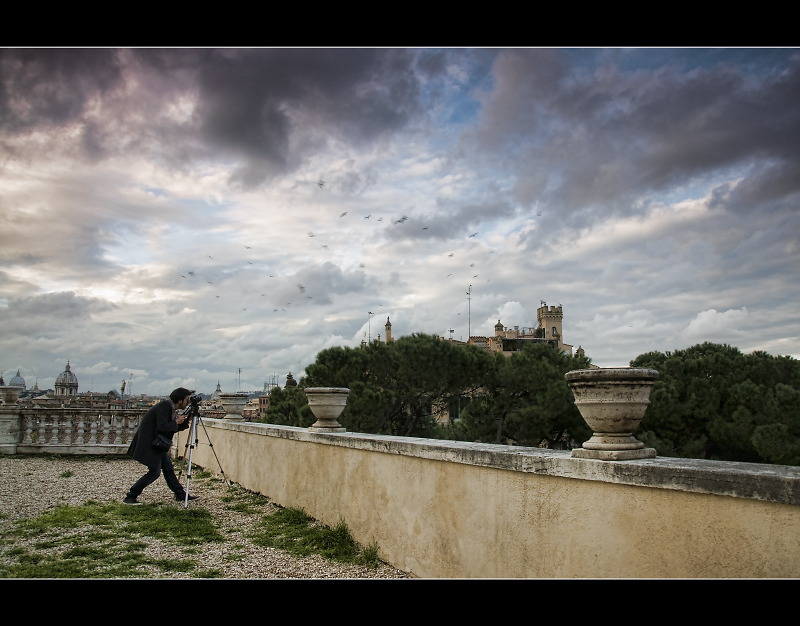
x: 30, y: 485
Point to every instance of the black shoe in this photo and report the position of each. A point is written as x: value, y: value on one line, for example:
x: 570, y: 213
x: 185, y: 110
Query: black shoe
x: 130, y: 500
x: 183, y: 498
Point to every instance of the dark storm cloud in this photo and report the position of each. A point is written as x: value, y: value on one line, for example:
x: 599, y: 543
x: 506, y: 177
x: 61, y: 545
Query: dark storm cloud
x: 44, y: 87
x: 602, y: 137
x: 266, y: 107
x: 45, y: 314
x: 250, y: 97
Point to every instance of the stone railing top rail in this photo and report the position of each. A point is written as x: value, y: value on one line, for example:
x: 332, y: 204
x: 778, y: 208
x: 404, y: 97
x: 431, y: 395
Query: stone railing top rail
x: 68, y: 410
x: 772, y: 483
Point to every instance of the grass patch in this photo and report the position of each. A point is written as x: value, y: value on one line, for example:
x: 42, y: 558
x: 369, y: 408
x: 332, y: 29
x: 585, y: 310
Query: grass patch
x: 209, y: 573
x: 101, y: 540
x: 244, y: 501
x: 67, y: 474
x: 293, y: 531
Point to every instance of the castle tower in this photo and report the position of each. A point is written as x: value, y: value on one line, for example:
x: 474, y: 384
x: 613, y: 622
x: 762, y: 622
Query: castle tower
x: 498, y: 329
x: 388, y: 331
x: 550, y: 320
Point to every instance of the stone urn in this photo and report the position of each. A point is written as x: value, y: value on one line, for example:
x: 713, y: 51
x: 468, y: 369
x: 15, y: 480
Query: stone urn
x: 612, y: 401
x: 233, y: 403
x: 327, y: 404
x: 9, y: 395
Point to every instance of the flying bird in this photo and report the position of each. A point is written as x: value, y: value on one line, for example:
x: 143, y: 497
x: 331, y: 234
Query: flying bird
x: 472, y: 265
x: 451, y: 254
x: 249, y: 262
x: 360, y: 265
x: 182, y: 276
x: 449, y: 274
x: 321, y: 183
x: 248, y: 247
x: 210, y: 257
x: 209, y: 282
x: 301, y: 288
x: 343, y: 214
x: 426, y: 228
x: 326, y: 247
x: 380, y: 219
x: 310, y: 234
x: 368, y: 216
x: 472, y: 235
x: 191, y: 273
x: 475, y: 276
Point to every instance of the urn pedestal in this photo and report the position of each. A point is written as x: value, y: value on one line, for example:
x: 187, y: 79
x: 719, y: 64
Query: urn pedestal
x: 612, y: 401
x: 10, y: 419
x: 233, y: 403
x: 327, y: 404
x: 9, y: 395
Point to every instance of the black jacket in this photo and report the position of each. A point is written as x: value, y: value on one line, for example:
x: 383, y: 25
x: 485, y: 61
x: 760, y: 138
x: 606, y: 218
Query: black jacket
x: 158, y: 419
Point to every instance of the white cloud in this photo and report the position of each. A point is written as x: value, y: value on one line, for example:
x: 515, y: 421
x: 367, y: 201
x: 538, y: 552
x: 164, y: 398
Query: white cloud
x: 713, y: 326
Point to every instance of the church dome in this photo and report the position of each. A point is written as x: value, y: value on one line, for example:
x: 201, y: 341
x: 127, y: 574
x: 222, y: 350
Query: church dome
x: 17, y: 381
x: 66, y: 383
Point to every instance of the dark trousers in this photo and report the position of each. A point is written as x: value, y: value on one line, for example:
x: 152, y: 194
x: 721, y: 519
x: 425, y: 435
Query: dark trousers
x: 164, y: 464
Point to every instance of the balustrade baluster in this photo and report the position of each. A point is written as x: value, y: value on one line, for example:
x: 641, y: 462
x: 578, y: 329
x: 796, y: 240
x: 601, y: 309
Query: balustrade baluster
x: 106, y: 430
x: 118, y: 428
x: 79, y: 439
x: 70, y: 429
x: 50, y: 437
x: 58, y: 425
x: 29, y: 421
x: 93, y: 427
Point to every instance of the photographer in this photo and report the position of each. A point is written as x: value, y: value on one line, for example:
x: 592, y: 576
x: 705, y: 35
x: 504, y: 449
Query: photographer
x: 164, y: 419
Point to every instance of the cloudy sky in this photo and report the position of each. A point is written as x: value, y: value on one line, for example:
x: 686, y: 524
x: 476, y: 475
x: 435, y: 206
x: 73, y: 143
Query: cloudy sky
x: 176, y: 215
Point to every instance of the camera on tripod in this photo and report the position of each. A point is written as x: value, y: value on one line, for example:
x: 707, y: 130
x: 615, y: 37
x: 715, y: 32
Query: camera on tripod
x: 194, y: 408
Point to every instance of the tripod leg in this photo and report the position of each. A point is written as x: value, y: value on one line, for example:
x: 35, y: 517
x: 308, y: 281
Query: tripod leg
x: 193, y: 432
x: 211, y: 445
x: 185, y: 455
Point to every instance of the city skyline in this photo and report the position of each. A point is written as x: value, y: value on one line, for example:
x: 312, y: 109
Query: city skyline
x: 180, y: 214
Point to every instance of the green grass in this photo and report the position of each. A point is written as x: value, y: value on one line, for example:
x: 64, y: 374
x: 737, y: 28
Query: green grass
x: 293, y: 531
x: 102, y: 540
x: 244, y: 501
x: 66, y: 474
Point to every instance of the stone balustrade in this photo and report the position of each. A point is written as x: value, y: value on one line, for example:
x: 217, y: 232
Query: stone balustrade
x: 67, y: 431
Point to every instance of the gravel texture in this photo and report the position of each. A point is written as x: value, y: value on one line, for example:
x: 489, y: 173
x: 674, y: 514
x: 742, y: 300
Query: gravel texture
x: 30, y: 485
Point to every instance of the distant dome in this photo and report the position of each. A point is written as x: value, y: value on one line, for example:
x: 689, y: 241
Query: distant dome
x: 17, y: 381
x: 66, y: 383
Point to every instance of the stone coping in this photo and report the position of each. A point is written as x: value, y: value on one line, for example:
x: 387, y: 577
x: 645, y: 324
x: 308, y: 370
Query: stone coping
x: 771, y: 483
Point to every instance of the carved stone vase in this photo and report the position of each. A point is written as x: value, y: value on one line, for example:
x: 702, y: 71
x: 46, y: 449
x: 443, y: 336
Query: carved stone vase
x: 612, y: 401
x: 9, y: 394
x: 327, y: 404
x: 233, y: 403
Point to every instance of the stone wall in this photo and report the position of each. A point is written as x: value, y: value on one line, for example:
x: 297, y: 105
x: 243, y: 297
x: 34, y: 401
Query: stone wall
x: 453, y: 509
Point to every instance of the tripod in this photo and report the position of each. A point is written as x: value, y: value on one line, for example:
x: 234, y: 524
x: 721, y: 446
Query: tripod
x: 192, y: 441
